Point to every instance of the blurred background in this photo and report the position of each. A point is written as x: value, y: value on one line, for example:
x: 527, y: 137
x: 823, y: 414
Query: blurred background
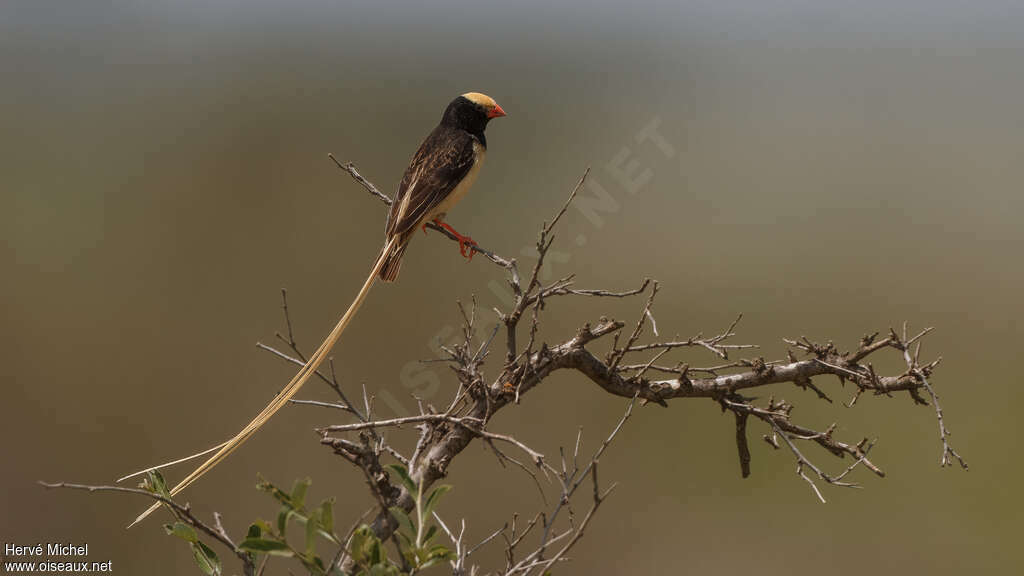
x: 827, y: 168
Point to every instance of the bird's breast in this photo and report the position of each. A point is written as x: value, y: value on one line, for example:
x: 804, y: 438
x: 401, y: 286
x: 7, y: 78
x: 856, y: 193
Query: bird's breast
x: 479, y: 153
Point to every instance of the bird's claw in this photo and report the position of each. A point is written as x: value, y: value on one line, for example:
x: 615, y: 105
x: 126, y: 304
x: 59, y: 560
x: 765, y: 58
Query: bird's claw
x: 467, y: 246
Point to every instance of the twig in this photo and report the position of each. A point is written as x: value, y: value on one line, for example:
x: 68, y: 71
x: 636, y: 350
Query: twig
x: 182, y: 511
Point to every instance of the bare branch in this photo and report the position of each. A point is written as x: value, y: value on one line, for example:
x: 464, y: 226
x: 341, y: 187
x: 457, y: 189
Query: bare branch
x: 182, y: 511
x: 625, y: 370
x: 351, y: 169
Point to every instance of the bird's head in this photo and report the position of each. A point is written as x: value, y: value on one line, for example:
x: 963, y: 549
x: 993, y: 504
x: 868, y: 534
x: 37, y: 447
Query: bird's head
x: 471, y: 112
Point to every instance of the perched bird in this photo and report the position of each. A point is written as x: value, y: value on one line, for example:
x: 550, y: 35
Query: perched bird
x: 443, y: 169
x: 440, y: 173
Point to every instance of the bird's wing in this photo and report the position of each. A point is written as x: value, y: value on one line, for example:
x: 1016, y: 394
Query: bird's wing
x: 442, y: 161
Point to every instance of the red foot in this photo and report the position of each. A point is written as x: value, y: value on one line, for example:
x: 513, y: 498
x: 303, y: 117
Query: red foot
x: 467, y: 246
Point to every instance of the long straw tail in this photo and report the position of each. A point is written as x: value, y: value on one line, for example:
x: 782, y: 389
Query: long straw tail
x: 286, y: 394
x: 392, y: 255
x: 173, y: 462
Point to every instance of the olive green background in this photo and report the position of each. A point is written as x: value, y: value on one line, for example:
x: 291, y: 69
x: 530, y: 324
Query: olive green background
x: 838, y: 168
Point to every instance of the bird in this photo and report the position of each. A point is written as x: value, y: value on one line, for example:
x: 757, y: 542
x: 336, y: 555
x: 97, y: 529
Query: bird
x: 439, y: 175
x: 443, y: 169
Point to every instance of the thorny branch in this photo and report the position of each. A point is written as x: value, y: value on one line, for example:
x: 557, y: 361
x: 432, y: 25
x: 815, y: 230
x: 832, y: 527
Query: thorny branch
x: 443, y: 435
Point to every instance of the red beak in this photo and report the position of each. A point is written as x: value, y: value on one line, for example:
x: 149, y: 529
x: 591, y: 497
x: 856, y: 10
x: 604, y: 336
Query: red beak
x: 496, y: 112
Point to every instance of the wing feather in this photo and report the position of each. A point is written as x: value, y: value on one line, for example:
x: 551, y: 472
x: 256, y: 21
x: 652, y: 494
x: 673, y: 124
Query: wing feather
x: 442, y: 161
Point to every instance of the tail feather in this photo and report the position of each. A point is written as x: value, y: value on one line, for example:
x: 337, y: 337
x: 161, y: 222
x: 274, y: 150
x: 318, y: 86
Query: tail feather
x: 293, y: 387
x: 392, y: 255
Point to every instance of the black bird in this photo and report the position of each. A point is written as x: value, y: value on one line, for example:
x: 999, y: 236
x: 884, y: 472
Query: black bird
x: 439, y: 175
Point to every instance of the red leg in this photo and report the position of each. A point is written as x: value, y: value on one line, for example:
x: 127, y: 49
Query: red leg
x: 467, y: 246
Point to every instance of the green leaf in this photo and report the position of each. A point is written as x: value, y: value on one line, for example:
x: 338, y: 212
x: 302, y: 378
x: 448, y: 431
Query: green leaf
x: 420, y: 555
x: 435, y: 555
x: 266, y: 545
x: 278, y: 494
x: 403, y: 519
x: 405, y: 538
x: 383, y: 570
x: 298, y: 498
x: 440, y: 551
x: 429, y: 534
x: 356, y: 544
x: 254, y: 531
x: 361, y: 545
x: 376, y: 554
x: 206, y: 558
x: 311, y: 526
x: 282, y: 519
x: 403, y: 475
x: 327, y: 516
x: 434, y: 498
x: 157, y: 484
x: 182, y: 530
x: 431, y: 562
x: 313, y: 564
